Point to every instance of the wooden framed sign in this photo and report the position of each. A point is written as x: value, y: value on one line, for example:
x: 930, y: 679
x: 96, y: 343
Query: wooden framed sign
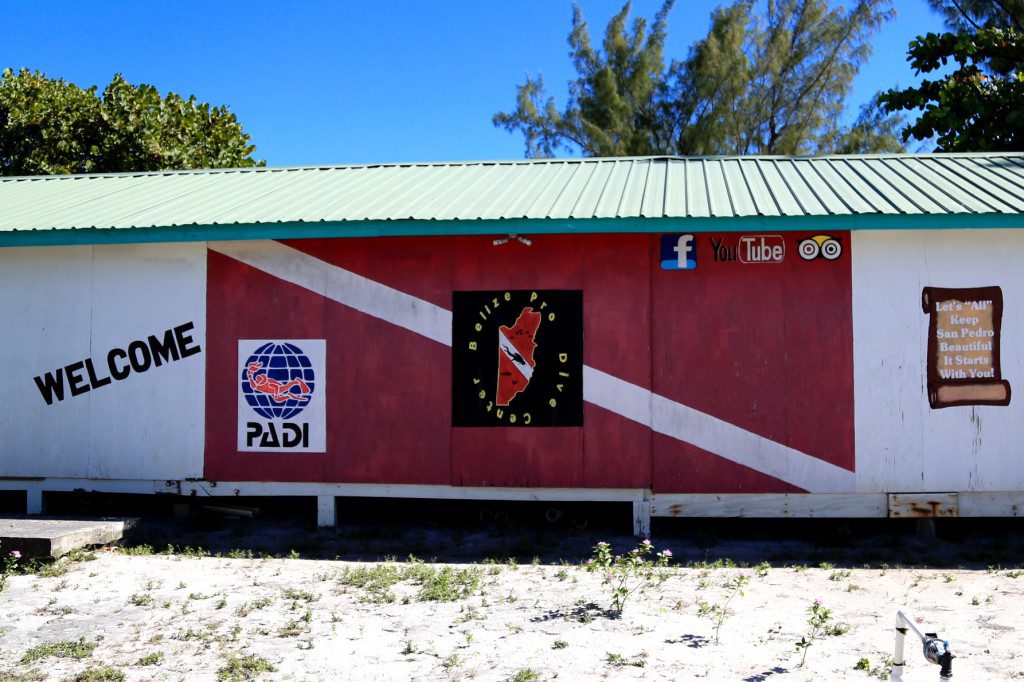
x: 963, y: 347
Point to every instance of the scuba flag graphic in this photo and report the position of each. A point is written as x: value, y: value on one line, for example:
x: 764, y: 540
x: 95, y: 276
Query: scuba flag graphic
x: 517, y: 358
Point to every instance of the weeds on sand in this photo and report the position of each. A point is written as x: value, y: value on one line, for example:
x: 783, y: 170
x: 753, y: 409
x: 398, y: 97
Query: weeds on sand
x: 881, y: 671
x: 620, y: 661
x: 155, y: 658
x: 7, y: 564
x: 626, y: 574
x: 102, y: 674
x: 69, y: 649
x: 445, y: 584
x: 818, y: 623
x: 239, y: 668
x: 255, y: 605
x: 718, y: 613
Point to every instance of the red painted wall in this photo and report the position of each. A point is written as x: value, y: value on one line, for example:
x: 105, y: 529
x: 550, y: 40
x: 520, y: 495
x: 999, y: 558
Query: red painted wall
x: 767, y: 347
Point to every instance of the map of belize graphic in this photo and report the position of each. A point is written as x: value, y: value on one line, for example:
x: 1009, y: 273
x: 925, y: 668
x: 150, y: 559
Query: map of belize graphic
x: 515, y: 355
x: 517, y: 358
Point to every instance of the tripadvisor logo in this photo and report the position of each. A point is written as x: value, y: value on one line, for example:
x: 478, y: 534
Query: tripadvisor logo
x: 517, y: 358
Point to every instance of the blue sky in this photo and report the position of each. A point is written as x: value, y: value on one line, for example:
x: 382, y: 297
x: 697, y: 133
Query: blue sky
x: 360, y: 82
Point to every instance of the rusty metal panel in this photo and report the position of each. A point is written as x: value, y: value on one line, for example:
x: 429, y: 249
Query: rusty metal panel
x: 771, y: 505
x: 923, y: 505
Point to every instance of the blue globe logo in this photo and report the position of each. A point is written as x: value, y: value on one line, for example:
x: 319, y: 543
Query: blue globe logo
x: 277, y: 380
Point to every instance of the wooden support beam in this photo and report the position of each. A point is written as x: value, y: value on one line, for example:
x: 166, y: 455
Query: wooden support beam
x: 326, y: 511
x: 642, y: 519
x: 33, y: 501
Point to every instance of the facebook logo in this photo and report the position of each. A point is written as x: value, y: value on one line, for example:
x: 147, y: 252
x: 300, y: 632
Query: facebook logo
x: 678, y: 252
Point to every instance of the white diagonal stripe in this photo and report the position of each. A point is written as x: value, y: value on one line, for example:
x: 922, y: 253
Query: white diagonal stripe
x: 633, y: 402
x: 337, y: 284
x: 713, y: 434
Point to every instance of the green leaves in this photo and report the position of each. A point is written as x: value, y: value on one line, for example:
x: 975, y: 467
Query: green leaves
x: 818, y: 622
x: 50, y: 126
x: 765, y: 80
x: 979, y: 106
x: 625, y: 574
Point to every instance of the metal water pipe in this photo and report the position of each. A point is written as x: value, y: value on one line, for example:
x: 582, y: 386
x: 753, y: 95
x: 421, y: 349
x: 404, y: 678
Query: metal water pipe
x: 935, y: 650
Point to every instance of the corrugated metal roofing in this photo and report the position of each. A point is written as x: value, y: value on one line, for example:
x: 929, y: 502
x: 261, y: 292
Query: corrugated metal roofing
x: 648, y: 187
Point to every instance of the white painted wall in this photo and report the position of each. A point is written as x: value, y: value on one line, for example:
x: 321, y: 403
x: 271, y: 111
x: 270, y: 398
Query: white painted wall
x: 63, y: 304
x: 902, y: 444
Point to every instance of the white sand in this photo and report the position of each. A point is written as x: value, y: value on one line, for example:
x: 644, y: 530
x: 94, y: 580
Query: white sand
x: 510, y: 624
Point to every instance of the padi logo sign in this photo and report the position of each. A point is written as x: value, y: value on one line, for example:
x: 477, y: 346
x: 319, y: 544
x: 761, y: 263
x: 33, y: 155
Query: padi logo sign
x: 281, y: 406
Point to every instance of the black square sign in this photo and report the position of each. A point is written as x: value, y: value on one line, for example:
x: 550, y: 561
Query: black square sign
x: 517, y: 358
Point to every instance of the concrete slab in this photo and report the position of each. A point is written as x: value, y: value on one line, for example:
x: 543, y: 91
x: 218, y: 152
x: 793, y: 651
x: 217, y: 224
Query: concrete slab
x: 43, y: 538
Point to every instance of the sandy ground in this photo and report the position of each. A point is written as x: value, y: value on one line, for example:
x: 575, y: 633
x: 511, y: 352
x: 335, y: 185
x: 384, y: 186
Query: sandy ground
x: 314, y: 619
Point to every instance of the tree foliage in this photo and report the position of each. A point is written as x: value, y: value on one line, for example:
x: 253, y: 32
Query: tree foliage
x: 971, y: 15
x: 762, y: 81
x: 51, y: 126
x: 979, y: 105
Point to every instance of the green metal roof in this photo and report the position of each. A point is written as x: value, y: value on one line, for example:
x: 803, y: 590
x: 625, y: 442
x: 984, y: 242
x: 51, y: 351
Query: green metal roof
x: 516, y: 191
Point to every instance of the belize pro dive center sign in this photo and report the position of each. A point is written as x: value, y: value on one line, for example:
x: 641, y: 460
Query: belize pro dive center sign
x: 281, y: 386
x: 137, y: 357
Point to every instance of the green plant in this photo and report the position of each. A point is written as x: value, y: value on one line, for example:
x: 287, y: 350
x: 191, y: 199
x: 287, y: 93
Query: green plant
x: 7, y: 564
x: 880, y: 671
x: 33, y: 675
x: 299, y: 595
x: 255, y: 605
x: 155, y: 658
x: 818, y: 622
x: 290, y: 629
x: 449, y: 584
x: 376, y: 582
x: 136, y: 550
x: 190, y: 634
x: 102, y: 674
x: 559, y: 644
x: 627, y: 574
x: 141, y: 599
x: 619, y: 661
x: 525, y: 675
x: 239, y: 668
x: 718, y: 613
x: 837, y: 630
x: 69, y: 649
